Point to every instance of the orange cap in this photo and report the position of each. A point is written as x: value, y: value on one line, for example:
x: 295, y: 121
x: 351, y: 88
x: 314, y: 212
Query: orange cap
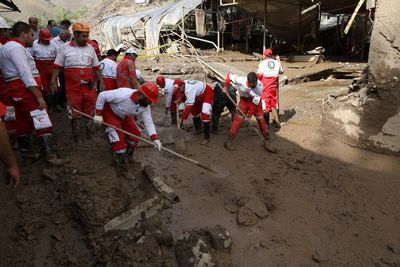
x: 80, y: 27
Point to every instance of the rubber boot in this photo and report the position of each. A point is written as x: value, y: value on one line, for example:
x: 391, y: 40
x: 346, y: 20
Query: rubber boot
x: 206, y: 129
x: 129, y: 152
x: 275, y: 118
x: 56, y: 102
x: 266, y: 118
x: 122, y: 166
x: 173, y: 118
x: 24, y: 145
x: 229, y: 143
x: 46, y: 142
x: 76, y: 131
x: 49, y: 101
x: 268, y: 144
x: 197, y: 125
x: 89, y: 128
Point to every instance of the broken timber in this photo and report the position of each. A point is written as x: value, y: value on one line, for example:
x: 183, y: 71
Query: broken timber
x: 159, y: 184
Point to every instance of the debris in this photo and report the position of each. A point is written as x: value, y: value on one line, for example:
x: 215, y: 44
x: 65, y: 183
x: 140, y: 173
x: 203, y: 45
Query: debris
x: 257, y: 207
x: 246, y: 217
x: 220, y: 238
x: 159, y: 184
x: 231, y: 207
x: 129, y: 219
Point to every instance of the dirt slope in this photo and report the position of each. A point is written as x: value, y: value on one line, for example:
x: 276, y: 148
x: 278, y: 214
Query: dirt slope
x: 327, y: 203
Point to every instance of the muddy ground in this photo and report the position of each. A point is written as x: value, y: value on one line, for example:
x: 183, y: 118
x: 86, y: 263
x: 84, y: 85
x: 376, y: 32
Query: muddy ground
x: 316, y: 202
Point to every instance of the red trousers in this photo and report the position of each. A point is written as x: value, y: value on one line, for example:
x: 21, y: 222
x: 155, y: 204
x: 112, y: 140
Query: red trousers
x: 45, y: 68
x: 268, y: 97
x: 249, y: 109
x: 117, y: 139
x: 24, y: 123
x: 80, y: 97
x: 202, y: 105
x: 83, y: 100
x: 110, y: 83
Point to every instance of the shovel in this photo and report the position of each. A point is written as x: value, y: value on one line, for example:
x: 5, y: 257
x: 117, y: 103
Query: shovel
x: 217, y: 171
x: 180, y: 144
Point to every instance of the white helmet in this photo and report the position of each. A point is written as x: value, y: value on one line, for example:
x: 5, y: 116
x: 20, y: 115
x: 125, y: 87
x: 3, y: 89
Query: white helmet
x: 138, y: 75
x: 4, y: 24
x: 131, y: 51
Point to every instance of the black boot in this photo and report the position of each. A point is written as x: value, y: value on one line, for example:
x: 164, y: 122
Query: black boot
x: 122, y: 166
x: 25, y: 147
x: 129, y: 152
x: 266, y: 118
x: 173, y: 118
x: 89, y: 128
x: 56, y: 102
x: 197, y: 124
x: 229, y: 143
x: 206, y: 128
x: 76, y: 130
x: 46, y: 143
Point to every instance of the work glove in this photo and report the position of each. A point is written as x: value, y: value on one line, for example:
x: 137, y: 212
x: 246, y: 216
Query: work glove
x: 256, y: 100
x: 157, y: 144
x: 98, y: 119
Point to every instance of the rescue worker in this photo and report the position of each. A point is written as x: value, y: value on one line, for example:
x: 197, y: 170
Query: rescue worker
x: 126, y: 70
x: 81, y: 70
x: 198, y: 102
x: 117, y: 107
x: 108, y: 68
x: 9, y: 117
x: 268, y: 72
x: 44, y: 51
x: 6, y: 153
x: 33, y: 23
x: 23, y: 82
x: 172, y: 96
x: 250, y: 90
x: 220, y: 102
x: 62, y: 38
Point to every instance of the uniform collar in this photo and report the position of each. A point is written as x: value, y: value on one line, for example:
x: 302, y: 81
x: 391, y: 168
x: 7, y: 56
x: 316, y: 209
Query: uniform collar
x: 72, y: 43
x: 17, y: 41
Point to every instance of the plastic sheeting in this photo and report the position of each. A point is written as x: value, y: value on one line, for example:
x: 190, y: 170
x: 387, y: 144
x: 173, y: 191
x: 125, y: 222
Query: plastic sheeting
x: 155, y: 19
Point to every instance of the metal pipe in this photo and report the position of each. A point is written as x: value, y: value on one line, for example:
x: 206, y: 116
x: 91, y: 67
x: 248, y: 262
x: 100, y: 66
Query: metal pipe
x: 221, y: 3
x: 202, y: 40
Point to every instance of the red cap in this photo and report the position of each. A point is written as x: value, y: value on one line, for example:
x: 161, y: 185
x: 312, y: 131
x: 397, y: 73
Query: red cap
x: 150, y: 90
x: 45, y: 35
x: 267, y: 52
x: 3, y: 109
x: 160, y: 80
x: 178, y: 83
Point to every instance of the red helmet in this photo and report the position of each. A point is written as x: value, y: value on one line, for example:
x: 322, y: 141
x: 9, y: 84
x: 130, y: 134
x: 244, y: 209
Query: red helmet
x: 267, y: 52
x: 45, y: 35
x: 150, y: 90
x: 160, y: 80
x: 178, y: 83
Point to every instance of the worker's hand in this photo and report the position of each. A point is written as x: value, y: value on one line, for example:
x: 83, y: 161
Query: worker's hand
x: 101, y: 86
x: 14, y: 177
x: 41, y: 102
x: 157, y: 144
x: 98, y: 119
x: 256, y: 100
x: 53, y: 87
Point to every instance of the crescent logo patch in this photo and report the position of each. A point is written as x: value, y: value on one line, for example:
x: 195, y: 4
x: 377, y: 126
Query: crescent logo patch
x: 271, y: 64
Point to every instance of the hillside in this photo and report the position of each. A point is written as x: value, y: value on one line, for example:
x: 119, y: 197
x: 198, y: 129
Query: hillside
x: 47, y: 9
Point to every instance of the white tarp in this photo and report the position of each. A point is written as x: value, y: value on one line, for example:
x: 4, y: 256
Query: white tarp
x: 169, y: 14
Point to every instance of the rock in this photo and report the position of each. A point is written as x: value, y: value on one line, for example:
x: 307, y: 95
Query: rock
x: 220, y: 238
x: 246, y: 217
x: 257, y: 207
x: 231, y: 207
x: 49, y: 175
x: 300, y: 160
x: 316, y: 257
x: 56, y: 235
x: 154, y: 69
x: 164, y: 238
x: 264, y: 243
x: 394, y: 248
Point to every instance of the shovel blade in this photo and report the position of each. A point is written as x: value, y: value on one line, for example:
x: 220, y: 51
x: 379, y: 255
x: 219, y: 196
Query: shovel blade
x: 180, y: 144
